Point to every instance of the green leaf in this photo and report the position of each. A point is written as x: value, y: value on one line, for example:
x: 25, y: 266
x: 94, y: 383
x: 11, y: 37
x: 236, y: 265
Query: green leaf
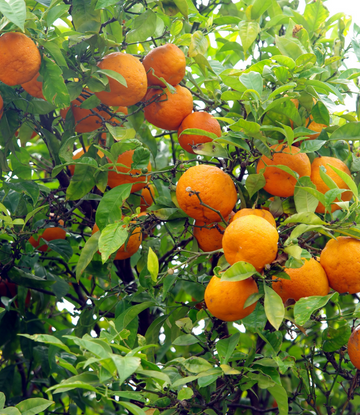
x: 226, y: 347
x: 85, y: 17
x: 197, y: 365
x: 315, y: 15
x: 125, y: 365
x: 62, y: 247
x: 128, y: 315
x: 2, y: 400
x: 112, y: 237
x: 198, y: 45
x: 281, y: 397
x: 309, y: 218
x: 238, y: 272
x: 306, y: 306
x: 144, y: 27
x: 289, y: 47
x: 33, y: 406
x: 259, y: 8
x: 10, y: 411
x: 274, y: 307
x: 54, y: 88
x: 82, y: 181
x: 252, y: 80
x: 305, y: 201
x: 334, y: 339
x: 185, y: 340
x: 211, y: 149
x: 153, y: 264
x: 15, y: 11
x: 347, y: 179
x: 114, y: 75
x: 349, y: 131
x: 320, y: 113
x: 248, y: 32
x: 47, y: 339
x: 282, y: 89
x: 185, y: 393
x: 134, y: 409
x: 86, y: 254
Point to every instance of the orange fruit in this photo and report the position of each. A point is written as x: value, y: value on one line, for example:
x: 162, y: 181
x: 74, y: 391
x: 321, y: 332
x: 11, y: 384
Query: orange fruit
x: 279, y: 182
x: 130, y: 247
x: 314, y: 126
x: 169, y: 110
x: 341, y: 261
x: 20, y: 59
x: 168, y: 62
x: 225, y: 299
x: 251, y: 239
x: 34, y: 87
x: 147, y: 197
x: 353, y: 348
x: 306, y: 281
x: 262, y: 213
x: 1, y: 106
x: 116, y: 179
x: 200, y: 120
x: 78, y: 153
x: 320, y: 184
x: 216, y: 189
x: 134, y: 74
x: 49, y: 234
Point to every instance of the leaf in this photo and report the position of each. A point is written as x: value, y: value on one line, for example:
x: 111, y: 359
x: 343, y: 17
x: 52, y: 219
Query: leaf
x: 114, y: 75
x: 198, y: 44
x: 87, y: 253
x: 112, y: 237
x: 82, y: 181
x: 252, y: 80
x: 47, y: 339
x: 125, y: 365
x: 197, y: 365
x: 320, y: 113
x: 185, y: 393
x: 254, y: 182
x: 125, y: 318
x: 144, y: 27
x: 2, y: 400
x: 63, y: 248
x: 85, y: 17
x: 259, y: 8
x: 134, y: 409
x: 306, y: 306
x: 238, y: 272
x: 10, y: 411
x: 211, y: 149
x: 334, y: 339
x: 54, y: 88
x: 289, y: 47
x: 347, y: 179
x: 33, y: 406
x: 248, y: 32
x: 315, y: 14
x: 281, y: 397
x: 308, y: 218
x: 274, y: 307
x: 15, y: 11
x: 185, y: 340
x: 226, y: 347
x: 153, y: 264
x: 305, y: 201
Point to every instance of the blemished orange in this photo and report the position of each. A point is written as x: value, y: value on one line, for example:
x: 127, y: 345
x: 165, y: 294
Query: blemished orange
x: 341, y: 261
x: 34, y: 87
x: 168, y: 110
x: 20, y: 59
x: 168, y: 62
x: 130, y: 247
x: 251, y: 239
x: 202, y: 121
x: 147, y: 197
x: 115, y: 179
x: 306, y: 281
x: 49, y: 234
x: 353, y: 348
x: 262, y: 213
x: 78, y: 153
x: 216, y: 189
x: 225, y: 299
x: 279, y: 182
x: 134, y: 74
x: 322, y: 187
x: 1, y: 106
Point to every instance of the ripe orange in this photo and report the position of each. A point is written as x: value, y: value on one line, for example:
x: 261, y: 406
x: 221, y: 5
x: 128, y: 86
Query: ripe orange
x: 306, y: 281
x: 226, y: 299
x: 168, y: 62
x: 341, y: 261
x: 216, y: 189
x: 78, y: 153
x: 279, y: 182
x: 200, y: 120
x: 1, y: 106
x: 251, y: 239
x: 147, y: 197
x: 132, y: 245
x: 314, y: 126
x: 262, y: 213
x: 208, y: 237
x: 135, y: 76
x: 34, y: 87
x: 169, y: 110
x: 49, y: 234
x: 320, y: 184
x: 353, y: 348
x: 115, y: 179
x: 20, y: 59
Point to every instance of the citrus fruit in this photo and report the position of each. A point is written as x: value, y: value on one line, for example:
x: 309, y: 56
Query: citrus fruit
x: 168, y: 110
x: 147, y: 197
x: 1, y: 106
x: 225, y: 299
x: 34, y: 87
x: 341, y: 261
x: 130, y: 247
x: 116, y: 179
x: 314, y: 126
x: 279, y: 182
x: 262, y: 213
x: 168, y: 62
x: 78, y: 153
x: 251, y: 239
x: 353, y: 348
x: 215, y: 189
x: 20, y: 59
x: 202, y: 121
x: 322, y: 187
x: 49, y: 234
x: 134, y: 74
x: 306, y: 281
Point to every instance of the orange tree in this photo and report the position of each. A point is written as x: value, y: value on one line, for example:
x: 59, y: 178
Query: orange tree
x: 124, y: 268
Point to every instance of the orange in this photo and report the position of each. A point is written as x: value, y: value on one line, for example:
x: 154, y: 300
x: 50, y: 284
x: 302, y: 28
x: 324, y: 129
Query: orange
x: 130, y: 247
x: 353, y: 348
x: 202, y: 121
x: 78, y: 153
x: 320, y: 184
x: 216, y: 189
x: 168, y: 110
x: 34, y: 87
x: 279, y: 182
x: 49, y: 234
x: 1, y: 106
x: 225, y: 299
x: 20, y: 59
x: 168, y: 62
x: 134, y: 74
x: 147, y: 197
x: 251, y: 239
x: 314, y: 126
x: 306, y: 281
x: 341, y: 261
x: 115, y: 179
x: 262, y: 213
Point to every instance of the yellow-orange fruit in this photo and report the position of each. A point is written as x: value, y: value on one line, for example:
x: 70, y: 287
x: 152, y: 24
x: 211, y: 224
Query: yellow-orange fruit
x: 314, y: 126
x: 134, y: 74
x: 225, y: 299
x: 168, y: 62
x: 168, y: 110
x: 279, y: 182
x: 34, y: 87
x: 49, y: 234
x: 262, y: 213
x: 202, y: 121
x: 208, y: 236
x: 353, y: 348
x: 320, y: 184
x: 147, y: 197
x: 20, y: 59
